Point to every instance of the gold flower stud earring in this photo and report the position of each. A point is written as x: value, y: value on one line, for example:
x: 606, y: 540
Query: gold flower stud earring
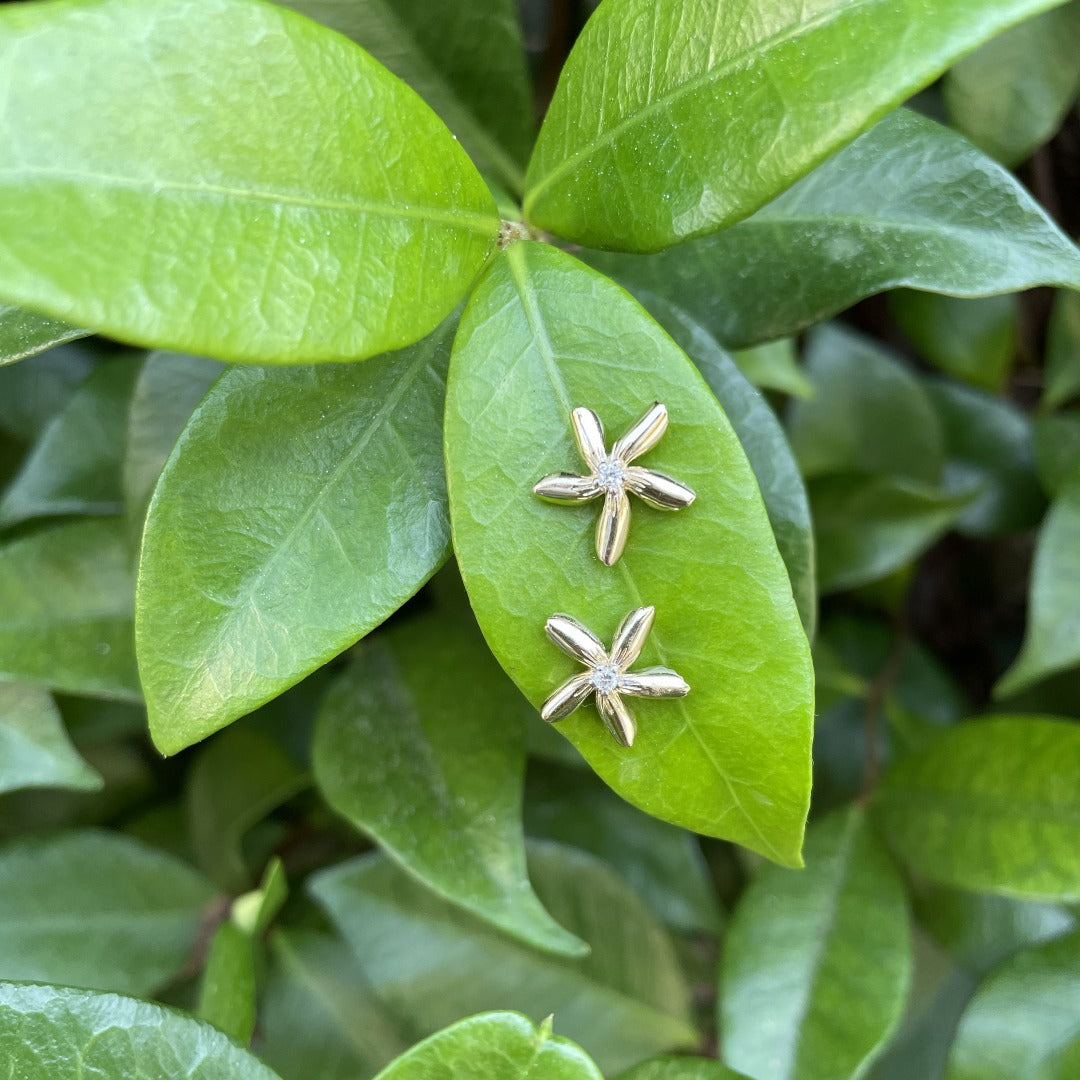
x: 607, y: 676
x: 612, y: 476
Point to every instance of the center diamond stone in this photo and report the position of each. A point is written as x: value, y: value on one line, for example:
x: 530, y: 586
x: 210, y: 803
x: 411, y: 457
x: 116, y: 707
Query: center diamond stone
x: 610, y: 475
x: 605, y: 677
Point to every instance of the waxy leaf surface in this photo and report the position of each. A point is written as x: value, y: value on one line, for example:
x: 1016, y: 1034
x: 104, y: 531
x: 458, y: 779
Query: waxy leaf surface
x: 25, y: 333
x: 881, y: 213
x: 718, y: 95
x: 541, y: 336
x: 286, y: 483
x: 244, y: 184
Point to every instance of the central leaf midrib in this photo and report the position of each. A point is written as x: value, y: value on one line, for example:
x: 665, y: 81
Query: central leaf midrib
x: 515, y: 257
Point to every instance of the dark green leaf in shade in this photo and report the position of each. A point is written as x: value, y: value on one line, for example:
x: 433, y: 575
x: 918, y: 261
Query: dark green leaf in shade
x: 96, y: 909
x: 1057, y: 450
x: 720, y: 99
x: 541, y: 335
x: 1063, y: 351
x: 1010, y: 96
x: 431, y: 961
x: 970, y: 339
x: 681, y: 1068
x: 286, y: 483
x: 1052, y: 639
x: 319, y: 1016
x: 35, y: 750
x: 227, y: 992
x: 25, y: 333
x: 167, y: 390
x: 816, y: 965
x: 881, y: 213
x: 31, y: 394
x: 494, y: 1046
x: 237, y: 779
x: 774, y: 365
x: 65, y: 610
x: 661, y: 863
x: 74, y: 467
x: 990, y: 805
x: 1024, y: 1020
x: 307, y: 205
x: 53, y: 1032
x: 988, y: 448
x: 868, y: 413
x: 465, y: 59
x: 766, y: 447
x: 439, y: 788
x: 867, y: 527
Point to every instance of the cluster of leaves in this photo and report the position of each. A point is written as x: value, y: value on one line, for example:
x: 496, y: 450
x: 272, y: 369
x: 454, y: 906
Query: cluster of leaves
x: 312, y: 570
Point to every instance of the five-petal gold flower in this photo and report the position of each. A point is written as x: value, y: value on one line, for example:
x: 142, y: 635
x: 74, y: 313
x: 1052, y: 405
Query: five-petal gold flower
x: 612, y: 476
x: 607, y: 676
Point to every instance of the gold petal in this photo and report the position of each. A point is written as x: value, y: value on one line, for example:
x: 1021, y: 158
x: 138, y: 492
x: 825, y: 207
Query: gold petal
x: 589, y: 433
x: 657, y: 489
x: 618, y: 719
x: 576, y: 640
x: 612, y: 527
x: 566, y: 487
x: 654, y: 682
x: 566, y: 698
x: 643, y: 436
x: 631, y: 635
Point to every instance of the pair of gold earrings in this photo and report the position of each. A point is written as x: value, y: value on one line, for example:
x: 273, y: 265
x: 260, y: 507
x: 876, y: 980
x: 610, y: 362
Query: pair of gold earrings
x: 612, y: 476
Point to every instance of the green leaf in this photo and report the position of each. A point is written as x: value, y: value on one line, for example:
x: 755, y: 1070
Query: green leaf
x: 227, y: 993
x: 166, y: 392
x: 235, y: 782
x: 722, y: 101
x: 867, y: 527
x: 65, y: 610
x: 992, y: 806
x: 74, y: 468
x: 1057, y: 450
x: 970, y: 339
x: 816, y: 965
x: 766, y: 447
x: 988, y: 447
x: 440, y: 788
x: 1024, y: 1020
x: 319, y: 1016
x: 25, y: 333
x: 868, y: 414
x: 663, y: 865
x: 1011, y: 95
x: 495, y: 1046
x: 541, y: 335
x: 256, y: 910
x: 774, y: 366
x: 1063, y: 351
x: 881, y: 213
x: 31, y: 394
x: 309, y: 206
x: 96, y: 909
x: 35, y: 750
x: 285, y: 483
x: 431, y: 962
x: 681, y: 1068
x: 465, y: 59
x: 1052, y: 638
x: 53, y: 1031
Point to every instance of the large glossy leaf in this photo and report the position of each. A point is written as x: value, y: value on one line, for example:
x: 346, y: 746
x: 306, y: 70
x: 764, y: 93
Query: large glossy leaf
x: 25, y: 333
x: 319, y: 1016
x: 542, y: 335
x: 465, y: 59
x: 1052, y: 639
x: 816, y: 965
x: 96, y: 909
x: 431, y: 962
x: 990, y: 805
x: 717, y: 95
x: 166, y: 392
x: 881, y: 213
x: 1063, y: 351
x: 495, y: 1046
x: 1010, y: 96
x: 35, y: 750
x: 52, y: 1031
x: 32, y: 394
x: 65, y: 610
x: 766, y: 448
x: 74, y: 468
x: 1024, y: 1020
x: 307, y: 206
x: 285, y: 484
x: 440, y: 787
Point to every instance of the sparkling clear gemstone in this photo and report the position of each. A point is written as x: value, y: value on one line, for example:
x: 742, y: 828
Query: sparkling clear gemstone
x: 605, y: 677
x: 610, y: 475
